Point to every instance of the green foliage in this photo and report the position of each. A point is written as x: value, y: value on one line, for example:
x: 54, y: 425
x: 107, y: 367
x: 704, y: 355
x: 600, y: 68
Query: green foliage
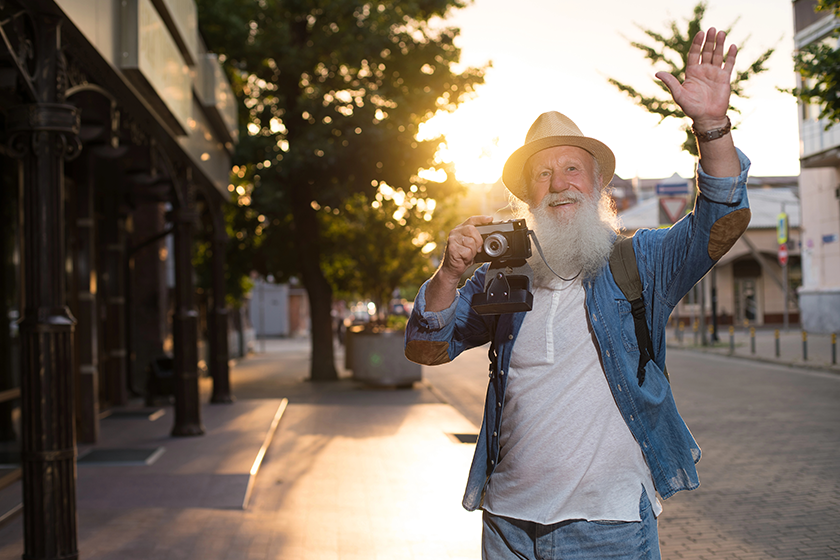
x: 374, y: 247
x: 669, y: 52
x: 396, y: 322
x: 332, y: 95
x: 818, y: 64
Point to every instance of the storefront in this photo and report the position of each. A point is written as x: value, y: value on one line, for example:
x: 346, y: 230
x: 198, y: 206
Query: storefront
x: 118, y: 127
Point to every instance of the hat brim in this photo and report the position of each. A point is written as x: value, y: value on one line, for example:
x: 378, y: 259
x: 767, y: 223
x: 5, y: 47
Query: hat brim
x: 512, y: 175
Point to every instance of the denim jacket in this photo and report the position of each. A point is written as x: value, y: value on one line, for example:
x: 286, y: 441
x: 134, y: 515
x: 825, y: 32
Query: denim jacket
x: 670, y: 262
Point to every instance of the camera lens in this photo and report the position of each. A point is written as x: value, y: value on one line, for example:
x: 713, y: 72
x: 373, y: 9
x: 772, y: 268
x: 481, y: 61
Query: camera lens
x: 495, y: 245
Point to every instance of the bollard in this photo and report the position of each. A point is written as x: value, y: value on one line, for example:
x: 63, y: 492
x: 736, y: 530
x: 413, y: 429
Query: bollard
x: 680, y: 331
x: 731, y: 339
x: 834, y: 349
x: 778, y: 352
x: 804, y: 346
x: 696, y: 332
x: 752, y: 340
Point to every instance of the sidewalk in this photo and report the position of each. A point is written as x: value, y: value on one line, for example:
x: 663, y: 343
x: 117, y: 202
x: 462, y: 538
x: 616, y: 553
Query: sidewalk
x: 816, y: 354
x: 351, y: 473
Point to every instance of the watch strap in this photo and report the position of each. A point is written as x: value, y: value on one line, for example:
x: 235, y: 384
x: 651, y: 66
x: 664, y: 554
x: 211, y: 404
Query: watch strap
x: 714, y: 133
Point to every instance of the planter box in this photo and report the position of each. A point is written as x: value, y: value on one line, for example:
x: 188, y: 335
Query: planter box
x: 378, y: 358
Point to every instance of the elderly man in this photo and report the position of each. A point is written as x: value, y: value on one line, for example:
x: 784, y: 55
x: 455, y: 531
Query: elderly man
x: 577, y: 438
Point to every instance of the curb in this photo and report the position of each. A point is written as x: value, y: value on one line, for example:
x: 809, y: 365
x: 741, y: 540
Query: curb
x: 800, y: 365
x: 255, y: 468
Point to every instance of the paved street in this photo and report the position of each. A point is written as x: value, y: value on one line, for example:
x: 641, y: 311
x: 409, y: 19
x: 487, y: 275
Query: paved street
x: 769, y: 472
x: 355, y: 472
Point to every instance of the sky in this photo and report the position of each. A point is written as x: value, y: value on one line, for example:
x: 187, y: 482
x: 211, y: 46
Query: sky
x: 558, y: 55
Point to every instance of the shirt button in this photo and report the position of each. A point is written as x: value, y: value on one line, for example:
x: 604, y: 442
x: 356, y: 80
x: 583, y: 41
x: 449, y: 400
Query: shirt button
x: 501, y: 372
x: 631, y: 417
x: 499, y: 404
x: 510, y: 337
x: 494, y: 435
x: 492, y: 462
x: 608, y: 353
x: 594, y: 318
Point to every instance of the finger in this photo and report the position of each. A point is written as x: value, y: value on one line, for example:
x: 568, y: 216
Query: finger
x: 729, y: 65
x: 478, y: 220
x: 465, y: 236
x: 717, y: 56
x: 669, y: 80
x: 472, y: 238
x: 708, y: 47
x: 695, y: 48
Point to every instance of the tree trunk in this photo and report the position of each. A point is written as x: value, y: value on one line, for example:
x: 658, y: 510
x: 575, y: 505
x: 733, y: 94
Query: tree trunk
x: 308, y: 248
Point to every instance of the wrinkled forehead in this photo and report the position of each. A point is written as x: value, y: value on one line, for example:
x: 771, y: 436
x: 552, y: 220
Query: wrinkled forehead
x: 560, y: 155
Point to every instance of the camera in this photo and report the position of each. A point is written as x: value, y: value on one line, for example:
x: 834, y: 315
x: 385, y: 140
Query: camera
x: 504, y: 241
x: 507, y: 284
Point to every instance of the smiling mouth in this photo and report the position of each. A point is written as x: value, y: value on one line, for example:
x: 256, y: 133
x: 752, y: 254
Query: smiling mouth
x: 560, y: 203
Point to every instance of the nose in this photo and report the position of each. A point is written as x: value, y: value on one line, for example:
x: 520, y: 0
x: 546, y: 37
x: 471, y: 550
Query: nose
x: 558, y: 182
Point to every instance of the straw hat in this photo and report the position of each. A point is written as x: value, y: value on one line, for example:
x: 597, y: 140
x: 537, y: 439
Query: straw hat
x: 549, y: 130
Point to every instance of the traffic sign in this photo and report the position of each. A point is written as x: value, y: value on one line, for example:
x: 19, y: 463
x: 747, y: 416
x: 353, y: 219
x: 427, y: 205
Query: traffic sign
x: 673, y: 186
x: 783, y: 254
x: 674, y: 208
x: 782, y: 228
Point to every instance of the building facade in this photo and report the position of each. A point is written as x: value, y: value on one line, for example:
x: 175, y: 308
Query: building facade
x: 117, y: 132
x: 748, y: 285
x: 819, y: 295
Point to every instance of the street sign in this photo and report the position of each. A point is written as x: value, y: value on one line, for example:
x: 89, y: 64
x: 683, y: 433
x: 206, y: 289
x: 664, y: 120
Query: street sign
x: 782, y: 228
x: 783, y: 254
x: 674, y: 207
x: 675, y: 185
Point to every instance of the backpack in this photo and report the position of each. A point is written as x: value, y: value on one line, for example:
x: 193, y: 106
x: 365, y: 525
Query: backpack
x: 626, y: 274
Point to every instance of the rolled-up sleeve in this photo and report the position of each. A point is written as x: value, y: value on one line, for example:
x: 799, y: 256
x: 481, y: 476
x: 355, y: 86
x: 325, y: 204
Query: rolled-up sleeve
x: 725, y: 190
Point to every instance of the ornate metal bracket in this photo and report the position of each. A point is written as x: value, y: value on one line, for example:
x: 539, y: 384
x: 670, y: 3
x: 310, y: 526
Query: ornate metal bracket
x: 40, y: 122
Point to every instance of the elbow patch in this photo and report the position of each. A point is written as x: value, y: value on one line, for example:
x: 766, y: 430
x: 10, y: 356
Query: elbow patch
x: 726, y: 231
x: 427, y: 352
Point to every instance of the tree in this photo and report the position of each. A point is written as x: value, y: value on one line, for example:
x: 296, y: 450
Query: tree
x: 818, y: 65
x: 334, y: 92
x: 671, y: 52
x: 377, y: 246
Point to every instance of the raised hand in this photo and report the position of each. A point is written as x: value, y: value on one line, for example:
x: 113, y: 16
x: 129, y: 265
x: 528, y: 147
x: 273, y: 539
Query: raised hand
x: 704, y: 95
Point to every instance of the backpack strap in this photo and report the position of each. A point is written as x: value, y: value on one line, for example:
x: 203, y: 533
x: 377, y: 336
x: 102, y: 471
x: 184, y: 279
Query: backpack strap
x: 626, y: 275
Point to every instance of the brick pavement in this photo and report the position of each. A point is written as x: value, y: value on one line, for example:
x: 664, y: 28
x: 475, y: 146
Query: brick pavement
x: 356, y: 473
x: 769, y: 485
x: 769, y: 435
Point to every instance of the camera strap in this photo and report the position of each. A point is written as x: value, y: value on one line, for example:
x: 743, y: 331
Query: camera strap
x: 492, y: 353
x: 542, y: 256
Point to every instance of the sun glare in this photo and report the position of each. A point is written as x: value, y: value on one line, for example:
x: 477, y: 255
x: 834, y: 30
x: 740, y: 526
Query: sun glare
x: 475, y: 145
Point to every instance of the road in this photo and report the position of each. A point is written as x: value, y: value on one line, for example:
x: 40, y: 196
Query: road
x: 770, y: 437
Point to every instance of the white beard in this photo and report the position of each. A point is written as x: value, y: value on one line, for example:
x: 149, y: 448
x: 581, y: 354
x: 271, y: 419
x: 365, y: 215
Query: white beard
x: 575, y: 247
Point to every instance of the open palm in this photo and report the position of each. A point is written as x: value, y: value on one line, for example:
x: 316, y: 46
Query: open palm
x: 704, y: 95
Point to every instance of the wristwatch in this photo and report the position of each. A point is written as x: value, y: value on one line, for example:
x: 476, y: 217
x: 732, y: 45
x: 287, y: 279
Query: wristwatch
x: 713, y: 134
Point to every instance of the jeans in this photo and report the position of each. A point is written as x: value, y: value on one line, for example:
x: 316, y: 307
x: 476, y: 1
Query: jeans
x: 505, y: 538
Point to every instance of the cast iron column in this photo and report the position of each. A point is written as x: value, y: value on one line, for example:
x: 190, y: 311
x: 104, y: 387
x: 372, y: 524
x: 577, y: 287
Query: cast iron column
x: 218, y: 317
x: 43, y: 134
x: 185, y: 329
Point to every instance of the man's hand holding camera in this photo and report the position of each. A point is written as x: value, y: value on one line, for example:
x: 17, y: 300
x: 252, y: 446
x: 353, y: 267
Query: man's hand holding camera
x: 462, y: 245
